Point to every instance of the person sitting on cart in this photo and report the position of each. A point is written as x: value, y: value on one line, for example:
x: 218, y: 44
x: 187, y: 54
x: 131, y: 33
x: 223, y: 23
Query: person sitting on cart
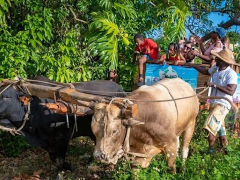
x: 173, y: 56
x: 220, y: 42
x: 150, y: 52
x: 186, y: 52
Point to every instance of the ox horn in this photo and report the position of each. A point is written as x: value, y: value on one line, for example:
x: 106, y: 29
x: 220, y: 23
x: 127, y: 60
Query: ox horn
x: 132, y: 122
x: 127, y: 101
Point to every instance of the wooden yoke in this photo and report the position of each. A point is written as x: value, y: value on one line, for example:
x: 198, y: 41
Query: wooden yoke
x: 61, y: 108
x: 68, y: 101
x: 66, y: 94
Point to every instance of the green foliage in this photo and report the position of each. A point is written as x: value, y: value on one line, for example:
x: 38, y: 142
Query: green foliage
x: 236, y: 51
x: 12, y: 145
x: 127, y: 73
x: 4, y: 8
x: 233, y: 37
x: 31, y: 48
x: 173, y: 22
x: 105, y: 33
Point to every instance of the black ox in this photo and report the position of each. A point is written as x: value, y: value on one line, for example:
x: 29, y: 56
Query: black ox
x: 45, y: 128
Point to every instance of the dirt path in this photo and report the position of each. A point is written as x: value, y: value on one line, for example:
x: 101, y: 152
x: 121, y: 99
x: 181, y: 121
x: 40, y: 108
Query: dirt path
x: 35, y: 164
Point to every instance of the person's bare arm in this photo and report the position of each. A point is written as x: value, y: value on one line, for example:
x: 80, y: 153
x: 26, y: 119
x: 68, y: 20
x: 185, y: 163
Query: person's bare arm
x: 206, y: 58
x: 218, y: 45
x: 198, y: 68
x: 163, y: 57
x: 229, y: 89
x: 182, y: 57
x: 201, y: 45
x: 158, y: 52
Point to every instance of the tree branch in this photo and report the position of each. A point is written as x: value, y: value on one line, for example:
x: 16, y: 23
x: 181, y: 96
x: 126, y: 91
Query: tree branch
x: 75, y: 17
x: 190, y: 29
x: 152, y: 3
x: 226, y: 25
x: 213, y: 10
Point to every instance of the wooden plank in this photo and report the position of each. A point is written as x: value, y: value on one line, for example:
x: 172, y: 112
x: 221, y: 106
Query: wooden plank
x: 66, y: 93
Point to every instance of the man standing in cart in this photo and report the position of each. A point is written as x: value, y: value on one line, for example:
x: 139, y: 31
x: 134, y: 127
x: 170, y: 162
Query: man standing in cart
x: 224, y: 84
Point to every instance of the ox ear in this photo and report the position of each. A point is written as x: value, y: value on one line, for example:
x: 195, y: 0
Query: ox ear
x: 132, y: 122
x: 119, y: 103
x: 25, y: 99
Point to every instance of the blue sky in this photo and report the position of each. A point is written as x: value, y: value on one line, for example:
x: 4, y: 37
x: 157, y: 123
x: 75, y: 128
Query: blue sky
x: 217, y: 18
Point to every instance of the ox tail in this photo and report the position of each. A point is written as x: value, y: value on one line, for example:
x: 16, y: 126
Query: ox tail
x: 234, y: 107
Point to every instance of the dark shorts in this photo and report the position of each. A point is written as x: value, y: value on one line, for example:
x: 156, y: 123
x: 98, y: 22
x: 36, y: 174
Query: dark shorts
x: 148, y: 57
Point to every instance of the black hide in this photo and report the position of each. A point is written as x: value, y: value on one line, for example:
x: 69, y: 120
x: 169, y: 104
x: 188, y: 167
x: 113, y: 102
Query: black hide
x: 44, y: 127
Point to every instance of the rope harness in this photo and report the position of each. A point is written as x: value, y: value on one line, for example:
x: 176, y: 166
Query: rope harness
x: 14, y: 131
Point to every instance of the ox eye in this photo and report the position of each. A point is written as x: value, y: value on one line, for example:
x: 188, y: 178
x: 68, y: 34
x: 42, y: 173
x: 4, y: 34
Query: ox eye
x: 97, y: 117
x: 114, y: 132
x: 6, y: 98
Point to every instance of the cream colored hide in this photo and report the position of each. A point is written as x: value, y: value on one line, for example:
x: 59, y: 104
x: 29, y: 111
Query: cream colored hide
x: 163, y: 124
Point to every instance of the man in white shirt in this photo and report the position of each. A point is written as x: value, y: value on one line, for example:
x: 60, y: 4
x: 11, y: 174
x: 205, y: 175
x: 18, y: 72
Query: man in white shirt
x: 224, y: 84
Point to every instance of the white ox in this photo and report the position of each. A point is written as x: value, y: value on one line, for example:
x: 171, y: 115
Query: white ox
x: 159, y: 124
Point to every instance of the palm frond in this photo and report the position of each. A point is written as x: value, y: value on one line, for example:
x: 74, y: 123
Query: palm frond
x: 125, y: 10
x: 174, y: 20
x: 107, y: 4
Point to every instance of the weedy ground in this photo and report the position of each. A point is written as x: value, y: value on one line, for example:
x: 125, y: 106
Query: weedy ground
x: 34, y: 163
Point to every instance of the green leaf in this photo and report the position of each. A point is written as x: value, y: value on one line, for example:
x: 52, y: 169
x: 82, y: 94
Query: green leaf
x: 2, y: 3
x: 40, y: 36
x: 125, y: 9
x: 33, y: 43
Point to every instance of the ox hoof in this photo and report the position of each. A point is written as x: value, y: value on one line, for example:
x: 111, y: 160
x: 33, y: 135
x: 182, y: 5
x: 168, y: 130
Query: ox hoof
x: 93, y: 169
x: 90, y: 160
x: 110, y: 168
x: 172, y: 170
x: 65, y: 166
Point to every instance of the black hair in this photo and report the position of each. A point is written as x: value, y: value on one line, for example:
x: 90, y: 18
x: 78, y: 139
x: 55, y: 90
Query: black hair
x: 115, y: 78
x: 138, y: 36
x: 188, y: 42
x: 176, y: 47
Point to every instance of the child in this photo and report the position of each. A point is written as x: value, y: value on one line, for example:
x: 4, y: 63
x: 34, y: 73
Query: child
x: 149, y: 49
x: 173, y: 55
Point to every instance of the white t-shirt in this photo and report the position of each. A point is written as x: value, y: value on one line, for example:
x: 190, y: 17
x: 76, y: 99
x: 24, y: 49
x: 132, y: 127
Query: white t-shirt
x: 222, y: 78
